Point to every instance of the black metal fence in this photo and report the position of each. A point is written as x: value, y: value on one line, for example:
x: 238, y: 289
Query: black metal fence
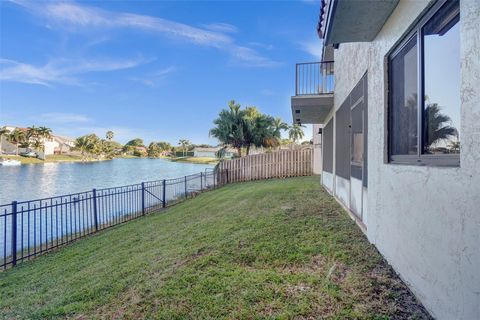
x: 314, y: 78
x: 31, y: 228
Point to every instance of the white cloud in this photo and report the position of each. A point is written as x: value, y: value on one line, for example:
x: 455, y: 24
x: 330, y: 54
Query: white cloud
x: 60, y: 117
x: 313, y: 47
x: 60, y: 70
x: 151, y: 79
x: 221, y: 27
x: 73, y: 16
x: 250, y: 57
x: 261, y: 45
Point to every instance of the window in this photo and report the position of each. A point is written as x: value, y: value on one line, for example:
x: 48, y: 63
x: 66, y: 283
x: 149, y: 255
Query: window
x: 426, y: 64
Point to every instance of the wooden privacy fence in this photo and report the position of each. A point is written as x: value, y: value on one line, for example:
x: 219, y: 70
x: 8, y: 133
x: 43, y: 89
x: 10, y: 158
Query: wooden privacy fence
x: 279, y: 164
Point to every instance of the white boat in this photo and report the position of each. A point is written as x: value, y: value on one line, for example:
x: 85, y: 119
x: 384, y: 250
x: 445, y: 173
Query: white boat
x: 10, y: 162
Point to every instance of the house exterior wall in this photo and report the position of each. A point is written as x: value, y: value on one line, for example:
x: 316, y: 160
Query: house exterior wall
x: 49, y: 146
x: 425, y: 220
x: 317, y: 149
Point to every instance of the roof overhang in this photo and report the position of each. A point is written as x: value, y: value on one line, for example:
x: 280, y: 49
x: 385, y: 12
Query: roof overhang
x: 311, y: 109
x: 343, y: 21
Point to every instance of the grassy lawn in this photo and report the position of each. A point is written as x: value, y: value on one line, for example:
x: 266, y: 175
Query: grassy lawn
x: 267, y: 249
x: 201, y: 160
x: 23, y: 160
x: 62, y: 157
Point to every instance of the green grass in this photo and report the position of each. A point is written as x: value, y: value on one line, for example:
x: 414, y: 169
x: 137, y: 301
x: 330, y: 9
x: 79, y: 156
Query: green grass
x: 50, y: 158
x: 200, y: 160
x: 23, y: 160
x: 262, y: 250
x: 63, y: 157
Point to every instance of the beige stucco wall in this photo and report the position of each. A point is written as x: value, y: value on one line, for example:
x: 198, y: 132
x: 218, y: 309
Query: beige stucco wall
x: 424, y: 220
x: 317, y: 148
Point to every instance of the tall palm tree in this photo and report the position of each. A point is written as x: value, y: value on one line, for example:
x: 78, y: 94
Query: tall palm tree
x: 45, y: 132
x: 454, y: 146
x: 3, y: 133
x: 38, y: 145
x: 184, y: 143
x: 246, y: 128
x: 295, y: 133
x: 229, y: 127
x: 32, y: 133
x: 109, y: 135
x: 260, y: 132
x: 438, y: 127
x: 88, y: 145
x: 16, y: 137
x: 278, y: 127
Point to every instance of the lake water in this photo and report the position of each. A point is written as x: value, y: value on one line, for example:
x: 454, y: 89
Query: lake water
x: 28, y: 182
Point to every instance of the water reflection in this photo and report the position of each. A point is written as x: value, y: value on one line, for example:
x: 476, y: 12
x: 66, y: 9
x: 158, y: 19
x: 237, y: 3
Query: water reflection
x: 39, y: 181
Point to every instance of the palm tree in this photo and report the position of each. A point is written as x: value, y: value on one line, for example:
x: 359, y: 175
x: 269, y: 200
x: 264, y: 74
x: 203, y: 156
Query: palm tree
x: 38, y: 145
x: 438, y: 127
x: 246, y: 128
x: 32, y: 133
x: 109, y: 135
x: 45, y: 132
x: 87, y: 145
x: 3, y: 133
x: 260, y: 132
x: 229, y: 127
x: 278, y: 127
x: 455, y: 146
x: 16, y: 137
x: 295, y: 133
x: 184, y: 143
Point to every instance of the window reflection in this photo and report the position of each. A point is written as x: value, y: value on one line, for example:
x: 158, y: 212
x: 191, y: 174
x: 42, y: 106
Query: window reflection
x: 441, y: 40
x: 404, y: 111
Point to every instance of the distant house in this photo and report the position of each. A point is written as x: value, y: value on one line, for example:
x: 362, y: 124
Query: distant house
x: 211, y: 152
x: 63, y: 144
x: 9, y: 148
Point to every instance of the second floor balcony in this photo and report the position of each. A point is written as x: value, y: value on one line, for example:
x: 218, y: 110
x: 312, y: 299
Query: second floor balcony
x: 314, y: 84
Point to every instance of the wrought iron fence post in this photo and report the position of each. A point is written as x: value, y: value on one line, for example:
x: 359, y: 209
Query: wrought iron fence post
x: 95, y: 212
x: 186, y: 194
x: 201, y: 181
x: 164, y: 193
x: 14, y: 233
x: 143, y: 198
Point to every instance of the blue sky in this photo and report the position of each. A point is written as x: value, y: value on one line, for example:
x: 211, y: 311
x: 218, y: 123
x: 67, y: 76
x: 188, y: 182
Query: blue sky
x: 155, y: 70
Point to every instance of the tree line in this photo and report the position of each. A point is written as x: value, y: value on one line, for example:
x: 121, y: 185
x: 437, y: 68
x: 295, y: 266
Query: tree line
x: 245, y: 128
x: 92, y: 146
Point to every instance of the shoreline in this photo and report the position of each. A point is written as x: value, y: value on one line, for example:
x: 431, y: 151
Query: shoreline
x: 49, y: 159
x: 197, y: 160
x: 74, y: 158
